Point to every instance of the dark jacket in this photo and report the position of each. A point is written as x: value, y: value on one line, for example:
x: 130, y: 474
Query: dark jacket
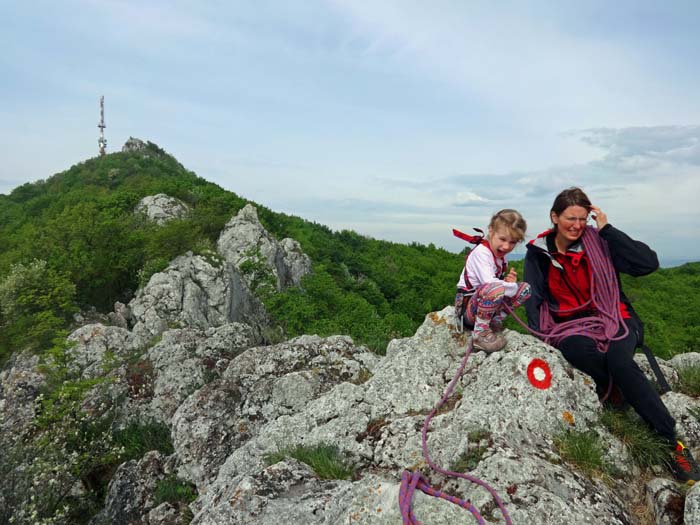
x: 628, y: 256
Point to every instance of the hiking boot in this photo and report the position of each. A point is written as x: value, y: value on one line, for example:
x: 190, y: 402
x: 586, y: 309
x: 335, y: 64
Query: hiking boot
x: 488, y: 341
x: 683, y: 465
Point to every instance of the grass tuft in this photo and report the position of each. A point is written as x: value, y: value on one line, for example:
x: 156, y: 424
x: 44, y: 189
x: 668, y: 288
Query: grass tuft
x: 689, y: 381
x: 471, y: 457
x: 325, y: 460
x: 582, y: 449
x: 646, y: 447
x: 137, y: 439
x: 174, y: 490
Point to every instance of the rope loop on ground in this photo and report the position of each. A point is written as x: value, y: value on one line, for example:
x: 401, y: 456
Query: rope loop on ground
x: 410, y: 481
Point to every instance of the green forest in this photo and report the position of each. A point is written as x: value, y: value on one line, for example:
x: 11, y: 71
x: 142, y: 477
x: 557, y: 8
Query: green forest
x: 73, y: 241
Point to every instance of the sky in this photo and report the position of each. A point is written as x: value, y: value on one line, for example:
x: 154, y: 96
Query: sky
x: 397, y: 119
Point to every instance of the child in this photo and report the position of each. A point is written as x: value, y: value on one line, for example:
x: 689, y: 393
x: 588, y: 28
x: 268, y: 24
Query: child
x: 484, y: 287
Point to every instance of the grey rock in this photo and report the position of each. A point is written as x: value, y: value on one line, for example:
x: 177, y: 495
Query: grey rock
x: 120, y: 316
x: 681, y: 408
x: 184, y: 360
x: 190, y: 292
x: 687, y: 360
x: 20, y: 386
x: 134, y: 145
x: 244, y: 239
x: 230, y: 403
x: 96, y: 347
x: 668, y: 368
x: 193, y: 293
x: 161, y: 208
x: 156, y: 381
x: 130, y: 496
x: 222, y: 416
x: 666, y: 501
x: 691, y: 513
x: 169, y: 514
x: 376, y: 424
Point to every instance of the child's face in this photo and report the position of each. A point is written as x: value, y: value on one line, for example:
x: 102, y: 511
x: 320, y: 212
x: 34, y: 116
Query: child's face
x: 501, y: 241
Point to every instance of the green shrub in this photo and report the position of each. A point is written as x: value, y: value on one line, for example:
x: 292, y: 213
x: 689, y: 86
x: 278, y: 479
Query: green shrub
x: 36, y: 301
x: 151, y: 267
x: 325, y: 460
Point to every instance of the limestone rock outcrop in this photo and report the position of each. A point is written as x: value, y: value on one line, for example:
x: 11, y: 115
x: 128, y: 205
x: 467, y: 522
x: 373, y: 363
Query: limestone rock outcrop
x: 245, y: 239
x: 188, y: 354
x: 161, y: 208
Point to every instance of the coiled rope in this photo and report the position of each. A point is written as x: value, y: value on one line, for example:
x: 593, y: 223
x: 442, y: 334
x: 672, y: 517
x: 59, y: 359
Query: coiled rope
x: 603, y: 327
x: 605, y: 296
x: 410, y: 481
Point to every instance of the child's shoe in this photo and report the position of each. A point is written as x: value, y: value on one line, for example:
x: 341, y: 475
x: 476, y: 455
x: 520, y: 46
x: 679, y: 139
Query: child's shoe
x: 683, y: 465
x: 488, y: 341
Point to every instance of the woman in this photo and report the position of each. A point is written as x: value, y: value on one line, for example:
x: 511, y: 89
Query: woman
x: 578, y: 305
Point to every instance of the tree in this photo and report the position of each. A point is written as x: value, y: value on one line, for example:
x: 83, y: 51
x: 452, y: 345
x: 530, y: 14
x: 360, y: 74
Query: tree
x: 36, y: 301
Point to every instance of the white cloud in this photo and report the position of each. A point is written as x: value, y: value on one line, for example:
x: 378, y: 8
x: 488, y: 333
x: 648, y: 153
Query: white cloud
x: 468, y: 198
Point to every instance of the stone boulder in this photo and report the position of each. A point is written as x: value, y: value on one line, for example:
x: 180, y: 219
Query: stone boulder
x: 134, y: 145
x: 95, y: 346
x: 230, y: 403
x: 245, y: 239
x: 151, y: 383
x: 376, y: 425
x: 131, y: 494
x: 261, y: 385
x: 191, y: 292
x: 161, y: 208
x: 20, y: 386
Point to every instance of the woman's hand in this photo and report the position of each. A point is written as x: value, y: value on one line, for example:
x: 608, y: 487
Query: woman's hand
x: 512, y: 276
x: 599, y: 216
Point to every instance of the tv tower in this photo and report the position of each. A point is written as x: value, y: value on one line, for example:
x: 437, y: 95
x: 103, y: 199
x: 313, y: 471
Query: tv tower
x: 102, y: 141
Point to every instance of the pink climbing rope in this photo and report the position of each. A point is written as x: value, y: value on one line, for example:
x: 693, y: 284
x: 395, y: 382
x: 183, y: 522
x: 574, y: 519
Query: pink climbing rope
x: 410, y: 481
x: 603, y: 327
x: 605, y: 295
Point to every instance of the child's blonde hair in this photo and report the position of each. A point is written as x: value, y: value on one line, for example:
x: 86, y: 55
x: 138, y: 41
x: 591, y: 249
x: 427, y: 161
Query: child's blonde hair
x: 512, y: 221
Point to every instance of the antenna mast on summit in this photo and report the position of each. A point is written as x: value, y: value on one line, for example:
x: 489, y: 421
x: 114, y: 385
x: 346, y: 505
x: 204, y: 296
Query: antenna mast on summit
x: 102, y: 141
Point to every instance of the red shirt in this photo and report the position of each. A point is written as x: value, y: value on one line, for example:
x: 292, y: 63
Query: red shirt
x: 571, y: 288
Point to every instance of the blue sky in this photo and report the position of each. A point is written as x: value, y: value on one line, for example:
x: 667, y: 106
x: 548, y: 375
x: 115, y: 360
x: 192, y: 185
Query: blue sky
x: 397, y: 119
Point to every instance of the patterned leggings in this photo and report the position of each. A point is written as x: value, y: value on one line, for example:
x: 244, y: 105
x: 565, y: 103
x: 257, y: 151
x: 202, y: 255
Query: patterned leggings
x: 489, y: 299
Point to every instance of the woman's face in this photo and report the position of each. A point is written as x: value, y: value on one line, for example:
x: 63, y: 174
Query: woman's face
x: 570, y: 223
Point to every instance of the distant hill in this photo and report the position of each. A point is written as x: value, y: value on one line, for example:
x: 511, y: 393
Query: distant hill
x: 73, y: 241
x: 96, y: 250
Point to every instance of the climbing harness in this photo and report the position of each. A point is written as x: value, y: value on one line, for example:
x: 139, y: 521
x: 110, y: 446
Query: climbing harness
x: 463, y: 294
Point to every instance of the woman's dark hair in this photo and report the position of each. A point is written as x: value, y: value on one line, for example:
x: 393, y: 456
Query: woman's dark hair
x: 570, y: 197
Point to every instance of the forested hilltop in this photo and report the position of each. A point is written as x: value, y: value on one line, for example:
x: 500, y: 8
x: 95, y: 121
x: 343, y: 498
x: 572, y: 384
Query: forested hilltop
x: 73, y: 242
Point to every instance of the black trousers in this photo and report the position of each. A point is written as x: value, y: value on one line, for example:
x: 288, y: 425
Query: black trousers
x: 618, y: 363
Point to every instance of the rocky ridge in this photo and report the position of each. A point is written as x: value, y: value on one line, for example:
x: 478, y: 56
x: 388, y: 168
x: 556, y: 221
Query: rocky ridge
x: 188, y: 352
